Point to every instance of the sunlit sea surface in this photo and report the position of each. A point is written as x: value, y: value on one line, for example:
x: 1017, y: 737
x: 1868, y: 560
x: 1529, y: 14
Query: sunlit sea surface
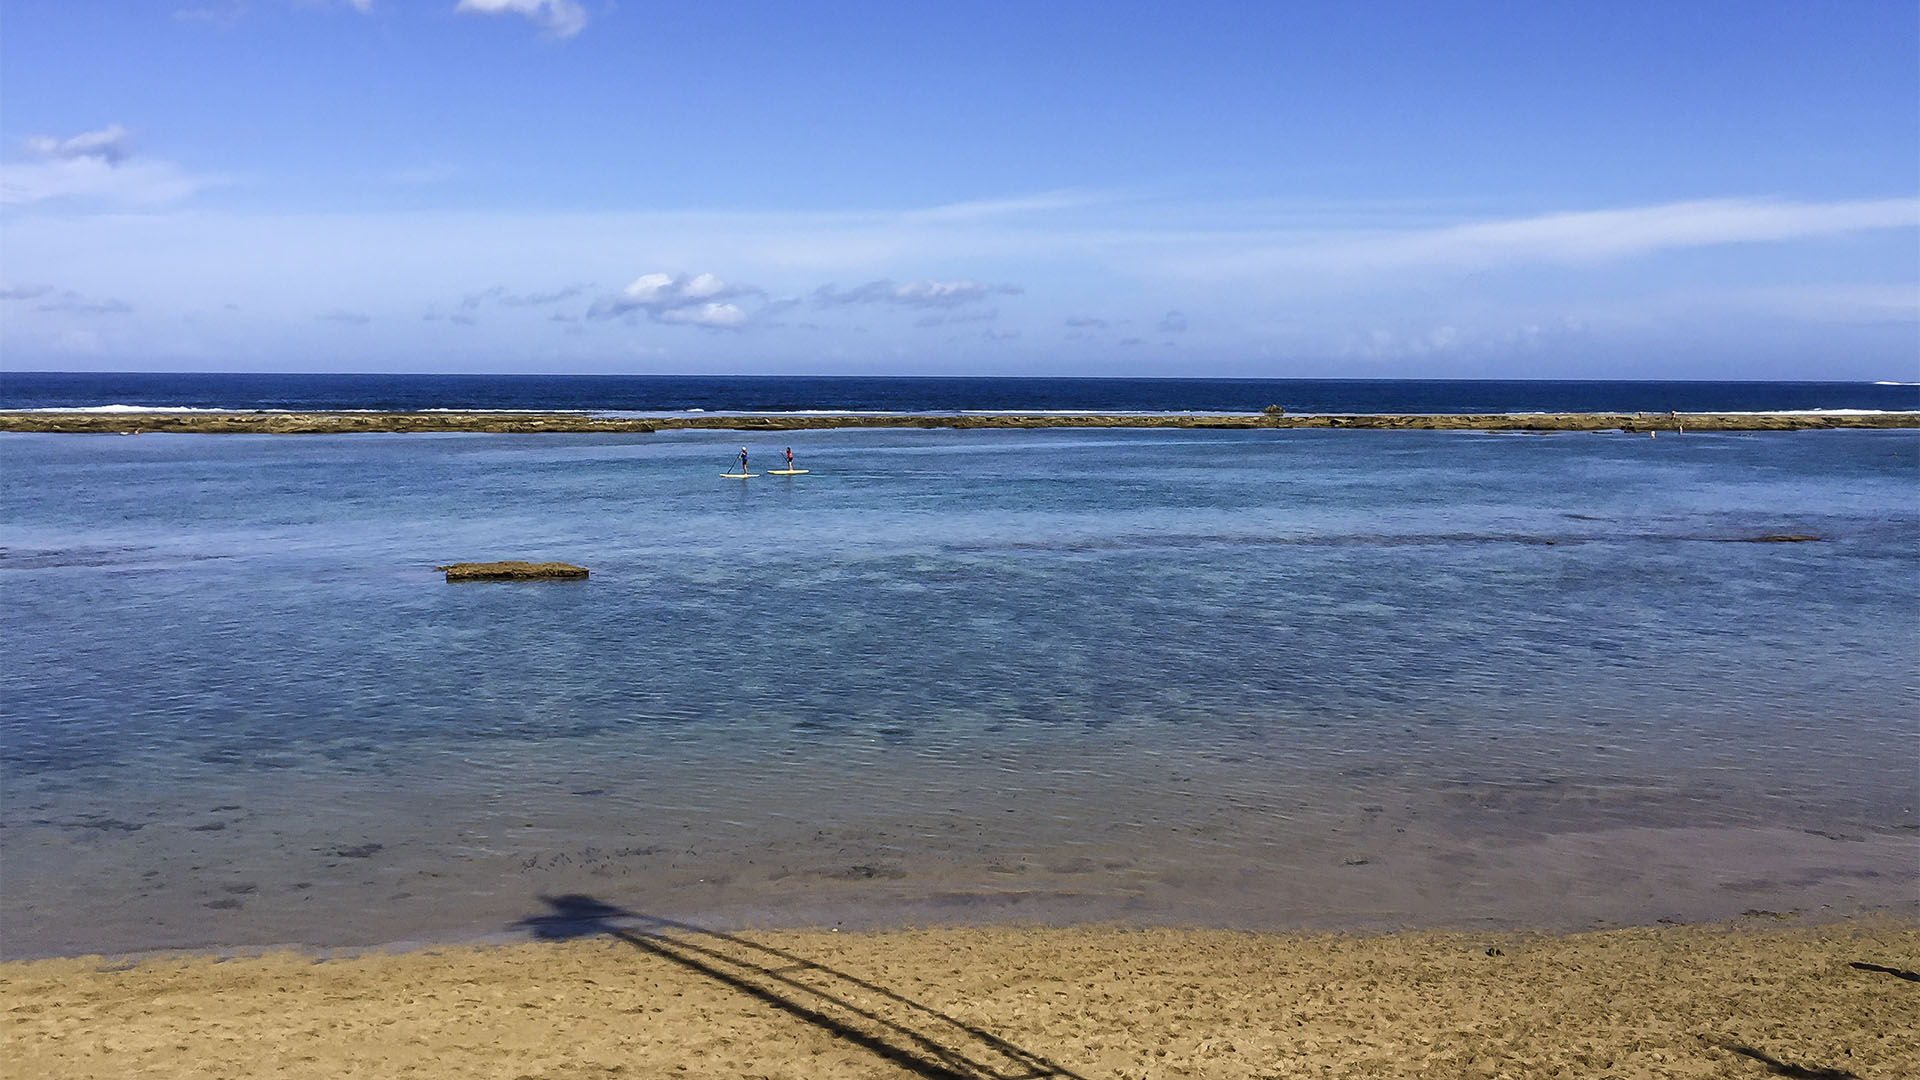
x: 1262, y: 679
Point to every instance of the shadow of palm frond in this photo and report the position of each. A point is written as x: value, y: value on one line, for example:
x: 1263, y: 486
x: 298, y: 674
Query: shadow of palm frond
x: 1783, y: 1068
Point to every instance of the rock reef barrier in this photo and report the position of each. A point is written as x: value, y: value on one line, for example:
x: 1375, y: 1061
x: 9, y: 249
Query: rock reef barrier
x: 344, y: 423
x: 512, y: 571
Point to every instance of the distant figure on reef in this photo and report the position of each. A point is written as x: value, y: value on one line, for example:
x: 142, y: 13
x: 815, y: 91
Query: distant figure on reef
x: 743, y: 459
x: 789, y: 459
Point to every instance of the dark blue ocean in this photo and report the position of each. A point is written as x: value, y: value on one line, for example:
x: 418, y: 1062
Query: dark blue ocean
x: 1270, y: 678
x: 665, y: 393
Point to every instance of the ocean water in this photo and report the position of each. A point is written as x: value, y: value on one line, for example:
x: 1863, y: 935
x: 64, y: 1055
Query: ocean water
x: 708, y: 393
x: 1263, y: 679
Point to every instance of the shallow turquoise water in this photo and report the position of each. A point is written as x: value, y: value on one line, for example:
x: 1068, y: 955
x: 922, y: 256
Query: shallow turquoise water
x: 1040, y: 632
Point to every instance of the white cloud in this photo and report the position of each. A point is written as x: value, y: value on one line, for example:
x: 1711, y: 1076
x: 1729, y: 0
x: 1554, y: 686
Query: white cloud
x: 561, y: 18
x: 921, y: 294
x: 95, y: 165
x: 695, y: 300
x: 714, y: 315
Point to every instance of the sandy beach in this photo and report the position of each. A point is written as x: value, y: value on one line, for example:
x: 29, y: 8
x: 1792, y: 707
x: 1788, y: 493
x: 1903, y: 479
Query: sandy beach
x: 611, y: 996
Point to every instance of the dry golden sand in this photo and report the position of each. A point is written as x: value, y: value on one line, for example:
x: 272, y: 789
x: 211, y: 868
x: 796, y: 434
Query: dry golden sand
x: 1832, y: 1001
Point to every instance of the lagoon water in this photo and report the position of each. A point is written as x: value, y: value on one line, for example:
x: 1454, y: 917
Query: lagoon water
x: 1261, y: 678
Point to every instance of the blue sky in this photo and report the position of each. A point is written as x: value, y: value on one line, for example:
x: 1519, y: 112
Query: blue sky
x: 1579, y: 190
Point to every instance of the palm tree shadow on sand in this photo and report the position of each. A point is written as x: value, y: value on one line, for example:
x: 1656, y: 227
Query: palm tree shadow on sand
x: 916, y: 1037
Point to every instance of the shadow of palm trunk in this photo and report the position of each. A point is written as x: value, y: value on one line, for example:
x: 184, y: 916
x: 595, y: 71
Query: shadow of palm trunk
x: 897, y: 1029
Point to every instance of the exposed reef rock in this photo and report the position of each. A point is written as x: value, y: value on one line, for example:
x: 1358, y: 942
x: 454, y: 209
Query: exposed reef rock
x: 336, y: 423
x: 512, y: 571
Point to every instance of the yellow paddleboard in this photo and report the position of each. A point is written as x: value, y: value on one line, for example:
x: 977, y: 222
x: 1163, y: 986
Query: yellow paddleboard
x: 738, y: 475
x: 786, y: 472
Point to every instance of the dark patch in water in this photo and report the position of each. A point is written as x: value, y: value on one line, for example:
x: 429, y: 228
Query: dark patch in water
x: 360, y: 851
x: 864, y: 872
x: 109, y: 825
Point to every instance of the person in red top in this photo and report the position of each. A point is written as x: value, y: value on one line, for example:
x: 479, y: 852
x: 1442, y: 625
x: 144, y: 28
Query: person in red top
x: 789, y: 459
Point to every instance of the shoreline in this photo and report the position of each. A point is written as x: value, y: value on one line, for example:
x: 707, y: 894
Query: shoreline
x: 325, y: 423
x: 601, y: 992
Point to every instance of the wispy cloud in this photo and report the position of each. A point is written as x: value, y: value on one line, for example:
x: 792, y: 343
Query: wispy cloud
x: 466, y: 308
x: 695, y: 300
x: 1835, y: 303
x: 948, y: 318
x: 1616, y: 234
x: 420, y: 175
x: 1453, y: 339
x: 499, y: 295
x: 77, y: 304
x: 1828, y: 304
x: 560, y: 18
x: 1569, y: 238
x: 95, y: 165
x: 345, y: 318
x: 225, y: 17
x: 981, y: 209
x: 109, y: 145
x: 65, y: 300
x: 920, y: 294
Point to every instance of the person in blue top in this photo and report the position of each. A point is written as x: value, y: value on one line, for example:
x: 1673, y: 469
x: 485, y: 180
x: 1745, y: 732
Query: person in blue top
x: 743, y: 460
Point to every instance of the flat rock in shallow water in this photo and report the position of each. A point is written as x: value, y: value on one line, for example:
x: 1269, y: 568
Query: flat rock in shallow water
x: 512, y: 571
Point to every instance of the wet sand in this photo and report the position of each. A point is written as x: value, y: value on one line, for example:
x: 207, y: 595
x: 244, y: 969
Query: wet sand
x: 326, y: 423
x: 609, y: 995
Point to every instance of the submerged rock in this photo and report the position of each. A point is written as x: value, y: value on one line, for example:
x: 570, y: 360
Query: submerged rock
x: 512, y: 571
